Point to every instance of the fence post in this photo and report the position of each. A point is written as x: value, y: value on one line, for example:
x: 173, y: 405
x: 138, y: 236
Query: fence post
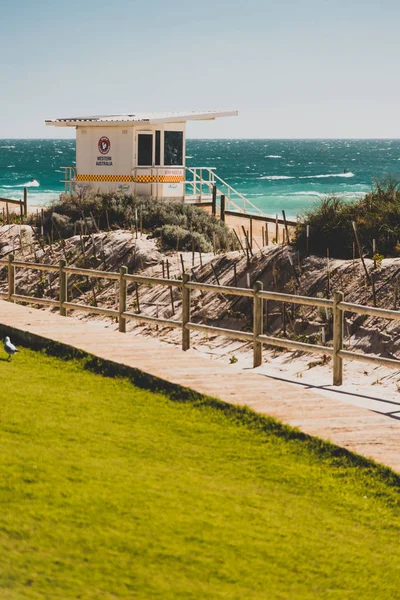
x: 338, y: 317
x: 25, y: 202
x: 122, y: 299
x: 222, y: 211
x: 214, y: 201
x: 11, y: 277
x: 63, y: 288
x: 185, y: 312
x: 257, y: 324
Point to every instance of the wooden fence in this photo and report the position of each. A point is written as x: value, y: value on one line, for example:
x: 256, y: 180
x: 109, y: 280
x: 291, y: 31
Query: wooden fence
x: 22, y: 204
x: 257, y: 337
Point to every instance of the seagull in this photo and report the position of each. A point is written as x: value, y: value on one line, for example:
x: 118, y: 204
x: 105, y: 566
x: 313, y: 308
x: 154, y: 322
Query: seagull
x: 9, y: 347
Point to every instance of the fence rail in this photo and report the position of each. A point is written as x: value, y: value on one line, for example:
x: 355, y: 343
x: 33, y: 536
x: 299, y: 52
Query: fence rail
x: 337, y: 306
x: 22, y: 204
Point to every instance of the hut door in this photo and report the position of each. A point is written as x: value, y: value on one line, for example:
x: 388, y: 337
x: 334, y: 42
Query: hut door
x: 145, y: 150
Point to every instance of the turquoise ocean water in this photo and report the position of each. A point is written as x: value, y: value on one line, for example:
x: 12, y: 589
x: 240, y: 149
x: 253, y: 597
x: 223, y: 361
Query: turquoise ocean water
x: 273, y: 174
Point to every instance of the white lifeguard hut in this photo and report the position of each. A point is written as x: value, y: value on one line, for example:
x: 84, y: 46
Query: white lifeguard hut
x: 140, y: 154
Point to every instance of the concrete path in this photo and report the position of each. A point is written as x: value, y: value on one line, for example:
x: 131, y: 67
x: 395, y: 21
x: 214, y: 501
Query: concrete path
x: 357, y: 429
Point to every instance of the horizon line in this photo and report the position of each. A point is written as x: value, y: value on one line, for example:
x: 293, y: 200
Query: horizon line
x: 234, y: 138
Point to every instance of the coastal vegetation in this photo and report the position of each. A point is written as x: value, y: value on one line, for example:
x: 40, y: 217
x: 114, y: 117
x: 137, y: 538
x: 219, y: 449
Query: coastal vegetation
x: 330, y: 222
x: 111, y: 491
x: 178, y: 226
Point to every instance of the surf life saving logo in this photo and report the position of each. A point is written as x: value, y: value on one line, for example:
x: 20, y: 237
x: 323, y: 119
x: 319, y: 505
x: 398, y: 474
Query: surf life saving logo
x: 104, y: 145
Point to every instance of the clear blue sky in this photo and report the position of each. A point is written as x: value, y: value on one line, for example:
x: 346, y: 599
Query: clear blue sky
x: 301, y: 68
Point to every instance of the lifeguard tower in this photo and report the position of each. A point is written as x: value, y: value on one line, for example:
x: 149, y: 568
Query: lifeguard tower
x: 140, y: 154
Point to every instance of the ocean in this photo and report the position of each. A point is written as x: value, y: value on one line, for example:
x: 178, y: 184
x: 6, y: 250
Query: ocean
x: 273, y: 174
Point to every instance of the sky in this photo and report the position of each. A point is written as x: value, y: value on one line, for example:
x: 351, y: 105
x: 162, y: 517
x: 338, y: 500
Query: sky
x: 293, y: 69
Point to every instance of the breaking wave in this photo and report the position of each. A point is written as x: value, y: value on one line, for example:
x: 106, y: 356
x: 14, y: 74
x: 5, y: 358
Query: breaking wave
x: 33, y: 183
x: 328, y: 175
x: 275, y: 177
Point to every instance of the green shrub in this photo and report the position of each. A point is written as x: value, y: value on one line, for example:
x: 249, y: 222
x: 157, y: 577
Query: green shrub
x: 180, y: 223
x: 377, y: 216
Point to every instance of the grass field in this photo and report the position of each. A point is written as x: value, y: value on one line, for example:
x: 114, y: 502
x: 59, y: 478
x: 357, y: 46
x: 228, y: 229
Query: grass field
x: 109, y: 491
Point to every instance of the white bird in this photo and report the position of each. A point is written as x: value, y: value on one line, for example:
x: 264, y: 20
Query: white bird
x: 9, y: 347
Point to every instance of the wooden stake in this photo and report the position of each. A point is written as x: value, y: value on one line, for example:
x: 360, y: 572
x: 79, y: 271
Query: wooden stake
x: 374, y: 251
x: 283, y: 312
x: 11, y: 277
x: 170, y: 290
x: 214, y: 201
x: 185, y: 312
x: 328, y: 273
x: 368, y: 276
x: 248, y: 247
x: 257, y: 324
x: 276, y: 230
x: 286, y: 227
x: 25, y: 202
x: 137, y: 296
x: 239, y: 242
x: 222, y: 210
x: 215, y: 274
x: 63, y: 288
x: 122, y: 299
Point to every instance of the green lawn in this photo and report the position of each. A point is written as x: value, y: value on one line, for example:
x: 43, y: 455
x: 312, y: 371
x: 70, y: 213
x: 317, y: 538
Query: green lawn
x: 110, y: 491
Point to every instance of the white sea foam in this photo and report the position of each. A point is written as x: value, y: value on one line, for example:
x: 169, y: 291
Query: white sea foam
x: 275, y: 177
x: 33, y: 183
x: 273, y: 156
x: 325, y: 195
x: 8, y: 147
x: 327, y: 175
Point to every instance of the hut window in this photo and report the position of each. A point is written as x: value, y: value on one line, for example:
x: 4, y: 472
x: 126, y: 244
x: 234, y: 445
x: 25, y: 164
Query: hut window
x: 145, y: 149
x: 173, y: 148
x: 158, y: 147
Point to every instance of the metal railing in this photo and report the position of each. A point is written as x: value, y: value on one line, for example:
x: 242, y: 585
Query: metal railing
x: 257, y: 337
x: 202, y: 186
x: 69, y: 180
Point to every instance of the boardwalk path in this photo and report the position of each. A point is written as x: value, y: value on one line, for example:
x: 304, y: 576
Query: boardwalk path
x: 351, y: 427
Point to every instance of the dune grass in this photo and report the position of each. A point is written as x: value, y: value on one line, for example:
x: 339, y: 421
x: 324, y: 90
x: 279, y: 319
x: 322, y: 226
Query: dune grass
x: 110, y: 491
